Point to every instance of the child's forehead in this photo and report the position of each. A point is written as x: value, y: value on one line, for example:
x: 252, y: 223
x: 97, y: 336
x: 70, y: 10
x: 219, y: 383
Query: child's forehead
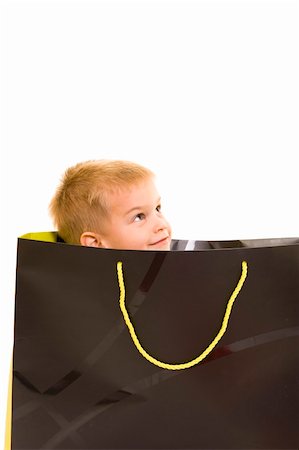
x: 133, y: 186
x: 139, y: 193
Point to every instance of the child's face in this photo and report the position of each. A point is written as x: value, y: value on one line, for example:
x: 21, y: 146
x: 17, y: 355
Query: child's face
x: 135, y: 220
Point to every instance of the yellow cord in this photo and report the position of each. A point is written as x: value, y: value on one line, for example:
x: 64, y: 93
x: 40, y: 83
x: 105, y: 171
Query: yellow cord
x: 198, y: 359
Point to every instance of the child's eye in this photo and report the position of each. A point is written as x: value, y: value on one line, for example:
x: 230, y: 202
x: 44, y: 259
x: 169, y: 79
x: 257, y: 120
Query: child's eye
x: 158, y: 208
x: 139, y: 217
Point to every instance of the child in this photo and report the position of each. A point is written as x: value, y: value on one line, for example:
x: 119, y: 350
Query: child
x: 110, y: 204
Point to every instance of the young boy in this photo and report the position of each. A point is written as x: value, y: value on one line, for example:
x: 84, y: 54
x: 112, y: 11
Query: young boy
x: 110, y: 204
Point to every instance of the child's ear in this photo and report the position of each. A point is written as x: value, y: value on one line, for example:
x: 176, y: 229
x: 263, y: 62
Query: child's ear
x: 90, y: 239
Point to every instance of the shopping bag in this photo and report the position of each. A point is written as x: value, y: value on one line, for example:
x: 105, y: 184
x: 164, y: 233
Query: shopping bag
x: 195, y: 348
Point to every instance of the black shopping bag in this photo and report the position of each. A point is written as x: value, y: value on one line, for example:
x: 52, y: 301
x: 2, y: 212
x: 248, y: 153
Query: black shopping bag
x: 206, y: 358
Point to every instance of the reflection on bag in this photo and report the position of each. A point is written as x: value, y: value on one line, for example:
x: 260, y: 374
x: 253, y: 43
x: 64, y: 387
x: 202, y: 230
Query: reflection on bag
x: 79, y: 382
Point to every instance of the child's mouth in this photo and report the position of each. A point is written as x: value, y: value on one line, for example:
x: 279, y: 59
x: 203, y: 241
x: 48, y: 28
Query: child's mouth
x: 161, y: 242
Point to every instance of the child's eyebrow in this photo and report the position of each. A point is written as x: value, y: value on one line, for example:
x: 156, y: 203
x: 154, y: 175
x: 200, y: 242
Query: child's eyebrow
x: 138, y: 208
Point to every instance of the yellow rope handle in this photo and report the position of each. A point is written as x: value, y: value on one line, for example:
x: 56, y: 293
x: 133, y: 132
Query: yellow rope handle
x: 203, y: 355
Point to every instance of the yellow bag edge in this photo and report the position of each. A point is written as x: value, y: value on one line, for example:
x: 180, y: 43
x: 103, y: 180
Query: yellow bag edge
x: 8, y: 424
x: 45, y: 236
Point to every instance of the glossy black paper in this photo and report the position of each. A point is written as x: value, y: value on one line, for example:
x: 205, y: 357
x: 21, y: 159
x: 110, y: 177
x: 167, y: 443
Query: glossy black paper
x: 80, y: 383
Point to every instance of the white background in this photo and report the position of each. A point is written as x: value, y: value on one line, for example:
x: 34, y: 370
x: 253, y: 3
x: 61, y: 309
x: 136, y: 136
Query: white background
x: 205, y: 93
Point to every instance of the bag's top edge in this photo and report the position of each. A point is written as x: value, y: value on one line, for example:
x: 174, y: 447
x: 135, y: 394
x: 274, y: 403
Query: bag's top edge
x: 184, y: 244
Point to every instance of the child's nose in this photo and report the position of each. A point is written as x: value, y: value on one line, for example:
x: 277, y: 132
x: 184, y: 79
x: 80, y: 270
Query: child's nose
x: 160, y: 224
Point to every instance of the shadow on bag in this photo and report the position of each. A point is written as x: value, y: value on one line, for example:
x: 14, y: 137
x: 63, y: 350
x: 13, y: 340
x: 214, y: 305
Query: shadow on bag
x: 195, y: 348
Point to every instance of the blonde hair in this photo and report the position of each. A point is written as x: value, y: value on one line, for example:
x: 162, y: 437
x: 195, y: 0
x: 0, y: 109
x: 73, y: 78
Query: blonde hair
x: 81, y: 199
